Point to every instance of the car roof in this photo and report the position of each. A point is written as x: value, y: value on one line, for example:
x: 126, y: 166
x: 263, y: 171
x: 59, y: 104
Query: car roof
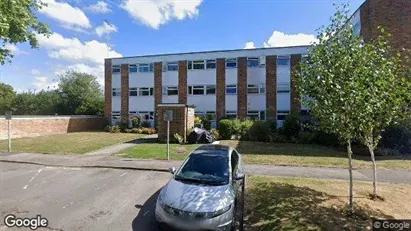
x: 215, y: 149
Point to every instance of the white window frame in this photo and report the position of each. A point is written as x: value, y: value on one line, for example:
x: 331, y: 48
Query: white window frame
x: 282, y: 113
x: 143, y: 65
x: 133, y: 89
x: 259, y: 87
x: 207, y: 87
x: 115, y: 117
x: 283, y: 87
x: 252, y: 59
x: 283, y: 58
x: 116, y: 90
x: 116, y: 67
x: 231, y: 86
x: 146, y: 115
x: 254, y: 114
x: 231, y: 60
x: 133, y: 66
x: 166, y: 90
x: 150, y: 91
x: 198, y: 62
x: 231, y: 113
x: 196, y: 87
x: 172, y: 64
x: 211, y: 61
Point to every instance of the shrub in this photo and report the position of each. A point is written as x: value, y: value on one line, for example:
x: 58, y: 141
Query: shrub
x: 215, y: 134
x: 327, y: 139
x: 148, y: 131
x: 307, y: 137
x: 206, y: 124
x: 123, y: 125
x: 276, y: 137
x: 259, y: 131
x: 291, y: 127
x: 197, y: 120
x: 128, y: 130
x: 271, y: 125
x: 244, y: 128
x: 397, y: 137
x: 228, y: 128
x: 136, y: 130
x: 135, y: 122
x: 179, y: 138
x: 146, y: 124
x: 387, y: 152
x: 112, y: 129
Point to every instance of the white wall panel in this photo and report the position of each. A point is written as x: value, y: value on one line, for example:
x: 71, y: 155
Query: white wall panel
x: 116, y: 80
x: 170, y: 99
x: 283, y: 101
x: 202, y: 102
x: 141, y: 79
x: 256, y: 102
x: 141, y: 103
x: 231, y: 76
x: 201, y: 77
x: 231, y: 102
x: 116, y: 103
x: 255, y: 75
x: 170, y: 78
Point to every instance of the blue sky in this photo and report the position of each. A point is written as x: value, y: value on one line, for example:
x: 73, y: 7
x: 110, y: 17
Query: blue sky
x: 81, y: 39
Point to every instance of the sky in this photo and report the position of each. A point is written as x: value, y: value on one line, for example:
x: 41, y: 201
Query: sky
x: 84, y: 32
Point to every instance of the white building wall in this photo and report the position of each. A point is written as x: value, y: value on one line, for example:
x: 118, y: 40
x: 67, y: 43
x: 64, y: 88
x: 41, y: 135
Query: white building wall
x: 141, y: 79
x: 283, y: 101
x: 201, y: 77
x: 116, y: 103
x: 116, y: 80
x: 231, y: 100
x: 170, y: 78
x: 116, y: 100
x: 202, y: 102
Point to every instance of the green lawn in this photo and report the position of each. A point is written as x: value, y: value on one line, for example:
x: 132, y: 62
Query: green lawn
x: 307, y: 155
x: 159, y: 151
x: 279, y: 203
x: 70, y: 143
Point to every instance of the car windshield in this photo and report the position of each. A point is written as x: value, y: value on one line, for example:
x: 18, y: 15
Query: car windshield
x: 208, y: 169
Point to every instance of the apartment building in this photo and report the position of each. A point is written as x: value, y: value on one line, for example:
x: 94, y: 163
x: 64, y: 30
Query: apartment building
x: 255, y: 83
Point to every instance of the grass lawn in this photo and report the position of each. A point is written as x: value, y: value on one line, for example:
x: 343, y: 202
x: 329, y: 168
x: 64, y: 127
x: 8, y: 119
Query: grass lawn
x: 70, y: 143
x: 278, y: 203
x: 307, y: 155
x: 158, y: 151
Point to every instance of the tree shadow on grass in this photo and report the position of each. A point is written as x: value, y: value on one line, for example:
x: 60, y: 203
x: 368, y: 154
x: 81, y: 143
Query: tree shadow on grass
x: 281, y: 206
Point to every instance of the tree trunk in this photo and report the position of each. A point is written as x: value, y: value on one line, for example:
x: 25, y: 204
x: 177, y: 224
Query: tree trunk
x: 374, y: 168
x: 349, y: 152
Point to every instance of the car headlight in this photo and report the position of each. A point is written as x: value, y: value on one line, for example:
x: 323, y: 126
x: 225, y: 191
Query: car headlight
x: 218, y: 212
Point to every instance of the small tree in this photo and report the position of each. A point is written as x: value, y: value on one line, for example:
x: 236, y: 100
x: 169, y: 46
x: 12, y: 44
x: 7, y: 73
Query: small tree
x: 7, y: 97
x: 326, y: 82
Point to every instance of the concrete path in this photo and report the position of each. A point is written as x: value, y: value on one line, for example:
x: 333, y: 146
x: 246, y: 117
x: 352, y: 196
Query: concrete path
x: 119, y: 147
x: 91, y: 161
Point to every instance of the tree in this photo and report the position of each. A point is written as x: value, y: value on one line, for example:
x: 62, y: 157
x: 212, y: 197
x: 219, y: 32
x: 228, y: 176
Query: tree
x: 384, y: 93
x: 41, y: 103
x: 7, y: 97
x: 80, y: 94
x: 19, y: 24
x: 326, y: 80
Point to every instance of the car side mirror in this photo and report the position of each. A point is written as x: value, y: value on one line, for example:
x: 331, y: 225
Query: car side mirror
x: 239, y: 176
x: 172, y: 170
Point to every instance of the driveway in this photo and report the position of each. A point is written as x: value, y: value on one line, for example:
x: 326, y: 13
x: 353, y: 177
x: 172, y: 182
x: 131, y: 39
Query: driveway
x: 80, y: 198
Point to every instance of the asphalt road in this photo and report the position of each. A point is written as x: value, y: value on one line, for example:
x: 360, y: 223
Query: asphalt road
x: 80, y: 199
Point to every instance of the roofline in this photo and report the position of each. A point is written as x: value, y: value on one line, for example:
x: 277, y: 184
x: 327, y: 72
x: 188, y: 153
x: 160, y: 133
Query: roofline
x: 205, y: 52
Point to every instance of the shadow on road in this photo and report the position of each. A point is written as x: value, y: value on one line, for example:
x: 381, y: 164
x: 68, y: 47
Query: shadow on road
x: 145, y: 219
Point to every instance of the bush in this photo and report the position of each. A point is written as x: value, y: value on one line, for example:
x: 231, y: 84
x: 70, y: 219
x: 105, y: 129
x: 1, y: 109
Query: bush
x: 215, y: 134
x: 397, y: 137
x: 387, y: 152
x: 307, y: 137
x: 112, y: 129
x: 128, y: 130
x: 327, y: 139
x: 291, y: 127
x: 206, y: 124
x: 179, y: 138
x: 146, y: 124
x: 271, y: 125
x: 276, y: 137
x: 123, y: 125
x: 148, y: 131
x: 259, y: 131
x: 244, y: 128
x: 228, y: 128
x: 136, y: 130
x: 135, y: 122
x: 197, y: 120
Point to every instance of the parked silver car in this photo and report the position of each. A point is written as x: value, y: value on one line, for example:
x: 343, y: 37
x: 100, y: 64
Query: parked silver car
x: 203, y: 193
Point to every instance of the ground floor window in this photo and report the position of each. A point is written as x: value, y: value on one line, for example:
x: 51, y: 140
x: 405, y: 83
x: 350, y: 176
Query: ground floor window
x: 231, y: 114
x: 115, y: 117
x: 256, y: 115
x: 282, y: 115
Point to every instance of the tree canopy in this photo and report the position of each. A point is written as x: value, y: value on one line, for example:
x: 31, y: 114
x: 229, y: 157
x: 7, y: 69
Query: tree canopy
x: 7, y: 97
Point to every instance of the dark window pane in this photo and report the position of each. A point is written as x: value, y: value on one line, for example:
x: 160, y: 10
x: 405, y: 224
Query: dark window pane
x: 210, y: 90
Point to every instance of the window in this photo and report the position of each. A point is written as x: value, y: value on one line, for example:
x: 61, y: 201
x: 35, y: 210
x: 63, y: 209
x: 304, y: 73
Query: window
x: 116, y: 117
x: 231, y: 89
x: 210, y: 64
x: 133, y: 91
x: 210, y: 90
x: 262, y: 88
x: 283, y: 88
x: 256, y: 115
x: 116, y: 91
x: 196, y: 90
x: 145, y: 91
x: 198, y: 65
x: 252, y: 89
x: 170, y: 90
x: 115, y: 69
x: 146, y: 115
x: 172, y: 66
x: 262, y: 115
x: 132, y: 68
x: 143, y: 67
x: 210, y: 115
x: 231, y: 114
x: 282, y: 115
x: 357, y: 28
x: 283, y: 60
x: 253, y: 62
x: 231, y: 63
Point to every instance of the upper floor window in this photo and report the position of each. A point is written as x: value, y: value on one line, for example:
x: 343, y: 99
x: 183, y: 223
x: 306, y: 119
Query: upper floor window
x: 231, y: 63
x: 255, y: 88
x: 231, y: 89
x: 172, y: 66
x: 132, y: 68
x: 253, y: 62
x: 283, y: 60
x: 210, y: 64
x: 116, y: 91
x: 133, y: 91
x: 145, y: 91
x: 283, y: 87
x: 115, y: 69
x: 170, y: 90
x: 196, y: 90
x: 210, y: 89
x: 143, y: 67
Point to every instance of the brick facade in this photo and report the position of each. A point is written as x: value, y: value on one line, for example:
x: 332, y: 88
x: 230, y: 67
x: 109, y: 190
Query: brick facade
x: 125, y: 93
x: 271, y: 86
x: 295, y: 96
x: 183, y: 119
x: 49, y: 125
x: 220, y: 88
x: 107, y: 89
x: 158, y: 91
x: 242, y: 88
x: 394, y: 16
x: 182, y: 82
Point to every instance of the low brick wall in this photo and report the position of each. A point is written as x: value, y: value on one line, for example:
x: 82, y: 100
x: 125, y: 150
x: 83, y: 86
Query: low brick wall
x: 29, y: 126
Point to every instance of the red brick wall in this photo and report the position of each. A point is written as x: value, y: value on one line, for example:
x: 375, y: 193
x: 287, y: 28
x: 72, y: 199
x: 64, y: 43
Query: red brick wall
x: 182, y: 82
x: 393, y: 15
x: 295, y: 96
x: 242, y: 87
x: 220, y: 88
x: 158, y: 84
x: 107, y: 89
x: 271, y: 86
x: 124, y: 92
x: 183, y: 118
x: 48, y: 125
